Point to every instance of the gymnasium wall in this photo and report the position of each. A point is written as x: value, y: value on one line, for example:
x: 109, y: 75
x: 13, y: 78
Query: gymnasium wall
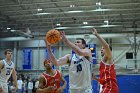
x: 126, y: 84
x: 38, y: 50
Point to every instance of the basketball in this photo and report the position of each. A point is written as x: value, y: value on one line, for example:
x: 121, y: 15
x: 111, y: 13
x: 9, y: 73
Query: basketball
x: 53, y: 36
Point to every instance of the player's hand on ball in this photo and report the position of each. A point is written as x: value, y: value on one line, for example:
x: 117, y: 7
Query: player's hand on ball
x: 50, y: 89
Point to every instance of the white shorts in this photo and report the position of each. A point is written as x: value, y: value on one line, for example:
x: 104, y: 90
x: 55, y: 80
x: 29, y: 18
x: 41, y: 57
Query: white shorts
x: 4, y: 87
x: 80, y: 90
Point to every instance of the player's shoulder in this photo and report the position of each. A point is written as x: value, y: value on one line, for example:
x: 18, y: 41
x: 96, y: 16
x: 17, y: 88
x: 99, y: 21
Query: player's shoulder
x: 57, y: 71
x: 41, y: 78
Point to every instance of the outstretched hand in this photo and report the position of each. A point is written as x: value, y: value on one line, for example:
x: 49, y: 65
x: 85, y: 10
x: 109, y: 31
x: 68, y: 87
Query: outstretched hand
x: 63, y: 35
x: 94, y: 31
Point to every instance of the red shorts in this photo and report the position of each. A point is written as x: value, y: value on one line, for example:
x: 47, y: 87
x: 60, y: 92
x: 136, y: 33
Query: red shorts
x: 110, y: 88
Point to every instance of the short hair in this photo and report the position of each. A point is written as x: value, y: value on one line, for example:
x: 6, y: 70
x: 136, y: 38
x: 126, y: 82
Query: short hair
x: 7, y: 50
x: 83, y: 41
x: 45, y: 61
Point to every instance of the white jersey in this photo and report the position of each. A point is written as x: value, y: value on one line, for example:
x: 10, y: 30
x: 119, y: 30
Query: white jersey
x: 6, y: 71
x: 80, y: 73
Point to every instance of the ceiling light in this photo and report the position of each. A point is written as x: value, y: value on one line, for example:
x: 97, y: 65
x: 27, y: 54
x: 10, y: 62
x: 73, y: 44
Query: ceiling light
x: 12, y: 30
x: 109, y: 25
x: 102, y: 9
x: 39, y: 9
x: 101, y: 26
x: 98, y: 4
x: 106, y: 22
x: 86, y: 26
x: 72, y: 5
x: 85, y: 23
x: 8, y: 28
x: 74, y: 11
x: 62, y: 28
x: 58, y: 24
x: 41, y: 13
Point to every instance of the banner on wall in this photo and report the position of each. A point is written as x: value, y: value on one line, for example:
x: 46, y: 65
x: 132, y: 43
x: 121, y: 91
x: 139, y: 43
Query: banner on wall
x: 27, y: 58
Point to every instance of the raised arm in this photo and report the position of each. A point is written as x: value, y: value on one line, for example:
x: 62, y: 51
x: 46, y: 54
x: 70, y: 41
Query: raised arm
x: 108, y: 52
x: 57, y: 62
x: 76, y: 49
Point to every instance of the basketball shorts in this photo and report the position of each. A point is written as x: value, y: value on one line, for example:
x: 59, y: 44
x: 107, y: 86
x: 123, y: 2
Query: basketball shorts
x: 4, y: 87
x: 80, y: 90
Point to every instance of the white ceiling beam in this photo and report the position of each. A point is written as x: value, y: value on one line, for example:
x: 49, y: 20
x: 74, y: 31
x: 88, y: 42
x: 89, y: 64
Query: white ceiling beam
x: 68, y: 36
x: 14, y: 39
x: 45, y: 3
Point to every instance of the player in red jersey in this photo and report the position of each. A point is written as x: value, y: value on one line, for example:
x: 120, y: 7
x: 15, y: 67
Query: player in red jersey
x: 50, y: 80
x: 107, y: 68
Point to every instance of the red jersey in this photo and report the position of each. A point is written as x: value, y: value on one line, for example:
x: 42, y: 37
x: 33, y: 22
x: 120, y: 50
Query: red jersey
x: 108, y: 78
x: 52, y: 80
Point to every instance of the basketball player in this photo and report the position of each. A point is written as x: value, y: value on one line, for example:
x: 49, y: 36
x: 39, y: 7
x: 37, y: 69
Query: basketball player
x: 50, y: 80
x: 107, y: 68
x: 6, y: 69
x: 80, y: 64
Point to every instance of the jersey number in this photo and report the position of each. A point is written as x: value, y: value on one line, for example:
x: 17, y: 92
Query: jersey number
x: 79, y: 67
x: 8, y: 72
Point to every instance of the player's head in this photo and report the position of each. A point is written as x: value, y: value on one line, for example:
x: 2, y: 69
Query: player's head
x: 8, y: 53
x: 80, y: 42
x: 103, y: 50
x: 47, y: 64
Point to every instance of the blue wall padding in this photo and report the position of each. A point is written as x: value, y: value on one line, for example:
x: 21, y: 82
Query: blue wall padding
x: 126, y: 83
x: 129, y: 83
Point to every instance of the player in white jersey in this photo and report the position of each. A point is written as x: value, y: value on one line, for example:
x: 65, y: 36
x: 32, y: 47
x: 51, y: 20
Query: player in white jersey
x: 80, y: 64
x: 6, y: 69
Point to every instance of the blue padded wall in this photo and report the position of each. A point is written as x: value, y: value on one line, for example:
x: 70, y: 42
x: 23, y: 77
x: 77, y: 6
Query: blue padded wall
x: 126, y: 83
x: 129, y: 83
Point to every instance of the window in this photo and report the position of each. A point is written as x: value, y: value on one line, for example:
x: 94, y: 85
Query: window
x: 129, y: 55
